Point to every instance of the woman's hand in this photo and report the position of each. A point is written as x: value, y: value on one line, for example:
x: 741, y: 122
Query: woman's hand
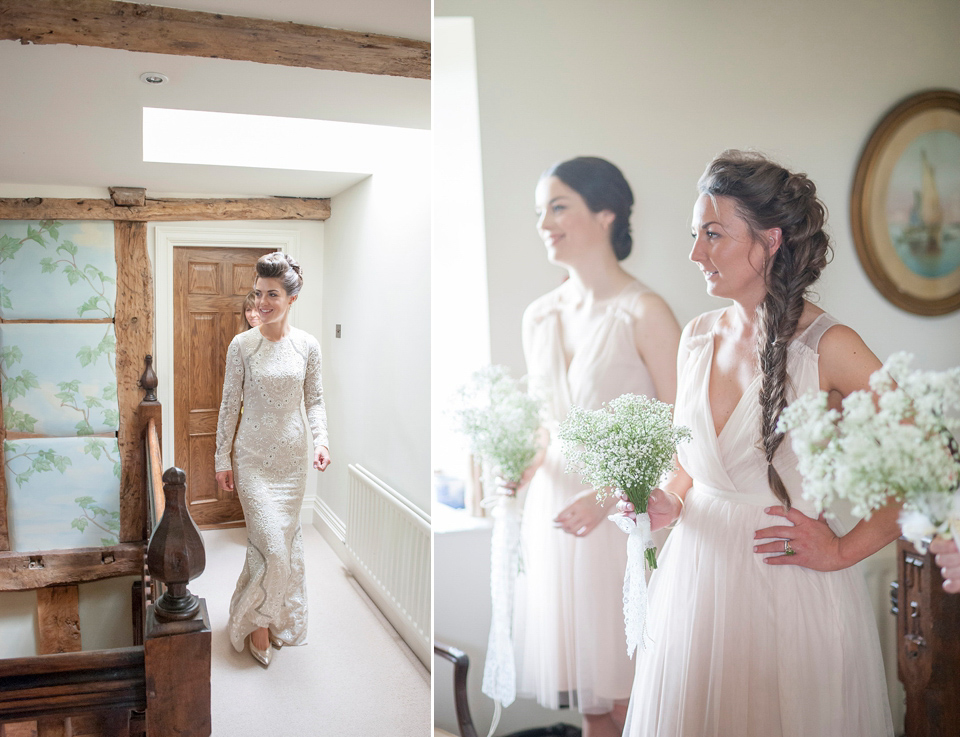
x: 321, y: 458
x: 581, y: 515
x: 948, y: 558
x: 813, y: 543
x: 225, y: 480
x: 663, y: 508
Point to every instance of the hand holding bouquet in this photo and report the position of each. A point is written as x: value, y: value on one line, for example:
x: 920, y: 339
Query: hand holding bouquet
x: 898, y: 440
x: 626, y: 447
x: 501, y: 421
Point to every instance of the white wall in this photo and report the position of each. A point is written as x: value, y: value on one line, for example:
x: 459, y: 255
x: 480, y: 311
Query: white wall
x: 377, y: 287
x: 659, y: 87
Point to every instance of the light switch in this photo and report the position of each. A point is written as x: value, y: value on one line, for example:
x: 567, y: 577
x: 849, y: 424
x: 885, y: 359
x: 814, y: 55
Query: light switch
x: 338, y: 331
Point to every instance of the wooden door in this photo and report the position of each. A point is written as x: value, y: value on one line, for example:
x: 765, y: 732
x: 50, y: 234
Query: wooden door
x: 209, y: 286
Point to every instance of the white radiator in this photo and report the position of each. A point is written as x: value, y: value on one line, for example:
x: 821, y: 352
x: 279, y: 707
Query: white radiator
x: 388, y: 545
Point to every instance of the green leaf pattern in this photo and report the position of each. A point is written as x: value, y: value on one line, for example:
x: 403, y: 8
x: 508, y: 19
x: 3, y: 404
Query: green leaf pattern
x: 55, y: 263
x: 63, y: 492
x: 59, y: 380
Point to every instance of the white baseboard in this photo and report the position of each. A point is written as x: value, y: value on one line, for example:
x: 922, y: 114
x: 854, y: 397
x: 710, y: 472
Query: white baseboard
x: 331, y: 528
x: 306, y: 510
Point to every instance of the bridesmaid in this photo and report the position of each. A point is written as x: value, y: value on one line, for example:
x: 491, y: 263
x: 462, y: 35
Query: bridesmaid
x: 599, y: 335
x: 759, y: 623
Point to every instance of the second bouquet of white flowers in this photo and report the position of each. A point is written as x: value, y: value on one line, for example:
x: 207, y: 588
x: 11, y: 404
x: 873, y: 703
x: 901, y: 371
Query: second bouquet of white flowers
x: 626, y: 446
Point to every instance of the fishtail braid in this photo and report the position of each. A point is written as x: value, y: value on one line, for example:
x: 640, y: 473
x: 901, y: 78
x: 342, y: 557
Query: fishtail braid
x: 768, y: 196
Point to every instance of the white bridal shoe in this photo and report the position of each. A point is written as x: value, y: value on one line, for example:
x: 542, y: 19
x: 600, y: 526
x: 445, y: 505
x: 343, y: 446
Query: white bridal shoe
x: 261, y: 656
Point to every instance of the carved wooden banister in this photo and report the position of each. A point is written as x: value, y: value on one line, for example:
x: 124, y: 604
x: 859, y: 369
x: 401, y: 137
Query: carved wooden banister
x: 155, y: 498
x: 148, y: 380
x: 928, y: 658
x: 175, y: 555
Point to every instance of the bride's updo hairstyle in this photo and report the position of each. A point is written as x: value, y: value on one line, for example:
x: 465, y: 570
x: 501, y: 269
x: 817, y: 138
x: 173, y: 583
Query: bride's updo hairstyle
x: 603, y: 187
x: 768, y: 196
x: 280, y: 266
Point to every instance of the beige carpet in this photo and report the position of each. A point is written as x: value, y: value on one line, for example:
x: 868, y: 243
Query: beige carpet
x: 355, y: 676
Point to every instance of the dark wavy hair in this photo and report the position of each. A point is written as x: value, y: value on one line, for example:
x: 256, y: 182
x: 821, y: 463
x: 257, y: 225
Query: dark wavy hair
x: 603, y: 187
x: 278, y: 265
x: 768, y: 196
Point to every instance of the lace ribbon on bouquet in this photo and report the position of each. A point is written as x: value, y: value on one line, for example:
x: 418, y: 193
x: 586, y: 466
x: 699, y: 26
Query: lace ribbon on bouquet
x: 635, y: 578
x: 500, y: 668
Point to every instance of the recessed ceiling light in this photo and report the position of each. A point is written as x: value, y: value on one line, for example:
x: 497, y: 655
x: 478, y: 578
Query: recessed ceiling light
x: 153, y: 78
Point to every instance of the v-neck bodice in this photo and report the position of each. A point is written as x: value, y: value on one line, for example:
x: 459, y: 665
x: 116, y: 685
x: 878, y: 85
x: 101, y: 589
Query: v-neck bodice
x: 604, y: 366
x: 731, y: 463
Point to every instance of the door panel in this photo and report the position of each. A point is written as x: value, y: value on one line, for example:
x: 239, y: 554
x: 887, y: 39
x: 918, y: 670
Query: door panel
x: 209, y: 286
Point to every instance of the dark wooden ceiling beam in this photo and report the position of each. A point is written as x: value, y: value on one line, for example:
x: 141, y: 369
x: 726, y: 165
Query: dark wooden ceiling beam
x: 154, y: 29
x: 160, y: 210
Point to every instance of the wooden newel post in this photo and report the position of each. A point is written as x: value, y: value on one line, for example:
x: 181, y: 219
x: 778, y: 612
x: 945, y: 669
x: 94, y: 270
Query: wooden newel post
x: 928, y: 657
x: 148, y: 380
x: 176, y: 554
x: 177, y: 638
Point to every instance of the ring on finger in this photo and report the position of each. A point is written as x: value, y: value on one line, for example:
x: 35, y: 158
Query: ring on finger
x: 787, y: 550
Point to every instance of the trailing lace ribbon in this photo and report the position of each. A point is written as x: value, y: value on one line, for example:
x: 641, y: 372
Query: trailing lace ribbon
x: 500, y: 668
x: 635, y: 578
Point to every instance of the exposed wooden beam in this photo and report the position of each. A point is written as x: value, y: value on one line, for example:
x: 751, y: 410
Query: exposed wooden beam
x: 128, y: 196
x: 26, y: 571
x: 135, y: 27
x: 58, y: 619
x: 133, y: 326
x: 161, y: 210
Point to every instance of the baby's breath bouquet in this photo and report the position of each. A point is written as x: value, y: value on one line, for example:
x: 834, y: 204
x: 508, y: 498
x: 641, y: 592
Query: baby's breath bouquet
x: 626, y: 446
x: 501, y: 421
x: 899, y: 440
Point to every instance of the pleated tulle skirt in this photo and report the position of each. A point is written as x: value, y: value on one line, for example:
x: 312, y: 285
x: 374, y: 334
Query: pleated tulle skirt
x: 741, y: 648
x: 568, y: 620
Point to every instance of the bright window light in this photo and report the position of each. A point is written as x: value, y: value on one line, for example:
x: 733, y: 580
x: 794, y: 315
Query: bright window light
x: 268, y: 142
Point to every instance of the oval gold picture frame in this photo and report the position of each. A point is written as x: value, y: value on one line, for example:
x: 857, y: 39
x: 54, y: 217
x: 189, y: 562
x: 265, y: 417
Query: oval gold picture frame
x: 898, y: 240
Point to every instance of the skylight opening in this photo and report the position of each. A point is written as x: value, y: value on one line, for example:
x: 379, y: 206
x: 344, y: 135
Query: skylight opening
x: 269, y: 142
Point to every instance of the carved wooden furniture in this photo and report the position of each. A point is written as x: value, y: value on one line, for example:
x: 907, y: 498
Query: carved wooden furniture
x: 465, y: 727
x: 928, y: 632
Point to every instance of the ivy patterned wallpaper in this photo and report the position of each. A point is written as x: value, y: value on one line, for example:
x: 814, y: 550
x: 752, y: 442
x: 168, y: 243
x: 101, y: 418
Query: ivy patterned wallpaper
x: 58, y: 381
x: 62, y: 492
x: 55, y: 270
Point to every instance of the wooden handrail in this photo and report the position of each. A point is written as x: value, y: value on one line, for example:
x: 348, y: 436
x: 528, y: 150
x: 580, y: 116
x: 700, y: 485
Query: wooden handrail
x: 154, y: 475
x: 72, y: 683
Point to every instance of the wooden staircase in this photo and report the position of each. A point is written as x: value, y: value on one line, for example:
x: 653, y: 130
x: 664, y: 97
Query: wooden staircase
x: 158, y: 687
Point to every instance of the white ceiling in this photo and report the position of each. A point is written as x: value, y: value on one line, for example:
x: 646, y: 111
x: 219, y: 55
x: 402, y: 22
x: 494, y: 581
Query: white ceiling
x: 72, y: 115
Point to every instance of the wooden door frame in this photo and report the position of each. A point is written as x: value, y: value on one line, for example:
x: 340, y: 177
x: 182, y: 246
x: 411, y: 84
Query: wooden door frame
x: 168, y: 237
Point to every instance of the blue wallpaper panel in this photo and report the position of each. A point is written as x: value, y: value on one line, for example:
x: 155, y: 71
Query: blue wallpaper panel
x: 57, y: 270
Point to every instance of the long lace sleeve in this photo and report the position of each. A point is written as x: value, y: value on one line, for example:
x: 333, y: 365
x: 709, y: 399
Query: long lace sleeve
x: 313, y: 397
x: 229, y: 406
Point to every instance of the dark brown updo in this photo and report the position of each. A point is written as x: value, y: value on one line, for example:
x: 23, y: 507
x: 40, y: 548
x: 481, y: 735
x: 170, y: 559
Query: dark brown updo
x: 278, y: 265
x: 768, y: 196
x: 603, y: 187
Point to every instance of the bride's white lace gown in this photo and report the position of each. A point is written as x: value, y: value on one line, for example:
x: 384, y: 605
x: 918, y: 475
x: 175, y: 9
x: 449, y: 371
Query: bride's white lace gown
x: 270, y: 380
x: 741, y: 648
x: 568, y: 623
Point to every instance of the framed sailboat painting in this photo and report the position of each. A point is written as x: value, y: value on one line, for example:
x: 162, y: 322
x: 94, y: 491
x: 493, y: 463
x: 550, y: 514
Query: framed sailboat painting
x: 905, y: 205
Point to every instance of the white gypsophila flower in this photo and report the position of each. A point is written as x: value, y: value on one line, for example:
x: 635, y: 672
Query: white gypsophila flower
x: 899, y: 439
x: 500, y: 421
x: 915, y: 527
x: 627, y: 445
